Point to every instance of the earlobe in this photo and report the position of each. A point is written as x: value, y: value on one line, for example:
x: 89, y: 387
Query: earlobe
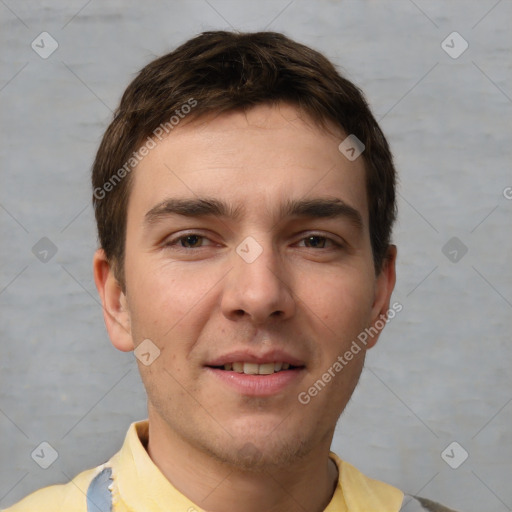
x: 384, y: 286
x: 115, y: 310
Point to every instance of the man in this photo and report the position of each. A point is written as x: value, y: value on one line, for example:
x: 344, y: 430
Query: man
x: 244, y: 197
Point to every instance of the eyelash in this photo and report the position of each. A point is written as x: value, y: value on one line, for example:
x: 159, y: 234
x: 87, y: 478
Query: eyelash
x: 173, y: 243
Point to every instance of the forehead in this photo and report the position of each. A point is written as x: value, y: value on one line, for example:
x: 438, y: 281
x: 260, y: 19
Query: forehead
x: 262, y: 158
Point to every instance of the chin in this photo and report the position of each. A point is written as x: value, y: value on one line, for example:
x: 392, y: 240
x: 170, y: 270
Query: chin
x: 259, y: 452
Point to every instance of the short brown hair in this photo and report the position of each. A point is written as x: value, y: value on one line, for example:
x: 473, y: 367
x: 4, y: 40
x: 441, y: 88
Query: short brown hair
x: 224, y: 71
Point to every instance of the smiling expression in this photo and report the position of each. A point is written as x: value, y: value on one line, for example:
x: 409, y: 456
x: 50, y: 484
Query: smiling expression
x: 249, y: 265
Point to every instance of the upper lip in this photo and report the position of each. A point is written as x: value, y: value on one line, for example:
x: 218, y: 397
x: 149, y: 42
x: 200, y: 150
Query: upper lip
x: 248, y: 356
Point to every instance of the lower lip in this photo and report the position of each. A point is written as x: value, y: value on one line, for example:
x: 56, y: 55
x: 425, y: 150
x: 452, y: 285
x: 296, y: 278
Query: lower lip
x: 258, y: 385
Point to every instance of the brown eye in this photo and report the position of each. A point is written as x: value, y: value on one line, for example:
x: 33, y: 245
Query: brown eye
x: 315, y: 241
x: 191, y: 241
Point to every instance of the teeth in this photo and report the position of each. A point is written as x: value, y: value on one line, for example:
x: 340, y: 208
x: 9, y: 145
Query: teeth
x: 238, y: 367
x: 266, y: 369
x: 251, y: 368
x: 256, y: 369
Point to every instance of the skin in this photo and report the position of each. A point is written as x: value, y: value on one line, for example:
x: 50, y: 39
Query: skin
x: 200, y: 302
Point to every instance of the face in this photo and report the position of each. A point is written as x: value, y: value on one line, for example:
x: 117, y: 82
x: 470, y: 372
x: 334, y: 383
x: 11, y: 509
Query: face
x: 247, y: 251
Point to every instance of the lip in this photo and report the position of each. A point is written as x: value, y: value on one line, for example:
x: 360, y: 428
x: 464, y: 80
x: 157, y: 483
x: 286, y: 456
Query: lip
x: 247, y: 356
x: 257, y: 385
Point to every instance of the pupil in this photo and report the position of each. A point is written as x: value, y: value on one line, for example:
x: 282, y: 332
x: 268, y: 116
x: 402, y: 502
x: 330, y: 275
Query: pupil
x: 316, y: 241
x: 190, y: 241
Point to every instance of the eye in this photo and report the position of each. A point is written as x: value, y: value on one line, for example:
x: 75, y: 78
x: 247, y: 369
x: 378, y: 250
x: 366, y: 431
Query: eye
x: 318, y: 242
x: 189, y: 241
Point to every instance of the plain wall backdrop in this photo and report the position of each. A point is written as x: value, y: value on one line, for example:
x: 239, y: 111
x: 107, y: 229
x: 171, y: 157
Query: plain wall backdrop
x: 441, y: 370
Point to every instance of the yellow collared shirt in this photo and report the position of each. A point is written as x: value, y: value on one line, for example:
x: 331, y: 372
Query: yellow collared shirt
x: 138, y: 486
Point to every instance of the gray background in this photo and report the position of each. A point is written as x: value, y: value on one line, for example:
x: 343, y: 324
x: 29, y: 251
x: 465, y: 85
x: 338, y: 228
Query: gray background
x: 441, y: 371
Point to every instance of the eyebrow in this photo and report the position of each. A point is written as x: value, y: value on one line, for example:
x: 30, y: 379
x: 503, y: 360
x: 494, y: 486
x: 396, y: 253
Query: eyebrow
x: 202, y: 207
x: 197, y: 207
x: 326, y: 208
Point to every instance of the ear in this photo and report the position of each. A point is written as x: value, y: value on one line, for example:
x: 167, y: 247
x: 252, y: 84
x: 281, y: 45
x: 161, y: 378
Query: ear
x: 115, y: 310
x: 384, y: 285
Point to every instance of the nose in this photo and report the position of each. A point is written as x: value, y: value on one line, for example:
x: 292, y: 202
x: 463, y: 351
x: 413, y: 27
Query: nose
x: 258, y: 289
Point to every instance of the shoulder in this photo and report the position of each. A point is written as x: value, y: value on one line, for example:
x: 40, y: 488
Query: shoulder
x: 376, y: 495
x: 417, y: 504
x: 70, y: 497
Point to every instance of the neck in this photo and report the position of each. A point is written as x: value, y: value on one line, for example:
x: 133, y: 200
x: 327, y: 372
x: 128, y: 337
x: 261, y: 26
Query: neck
x: 219, y: 487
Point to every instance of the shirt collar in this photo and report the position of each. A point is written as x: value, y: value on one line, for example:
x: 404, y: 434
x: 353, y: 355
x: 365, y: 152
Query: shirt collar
x: 140, y: 485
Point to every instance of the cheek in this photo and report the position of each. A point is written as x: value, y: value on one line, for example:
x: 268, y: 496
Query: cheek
x: 155, y: 302
x: 342, y: 300
x: 168, y: 304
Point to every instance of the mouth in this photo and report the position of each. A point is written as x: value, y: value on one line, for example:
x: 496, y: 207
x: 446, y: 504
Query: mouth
x: 249, y: 368
x: 262, y: 375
